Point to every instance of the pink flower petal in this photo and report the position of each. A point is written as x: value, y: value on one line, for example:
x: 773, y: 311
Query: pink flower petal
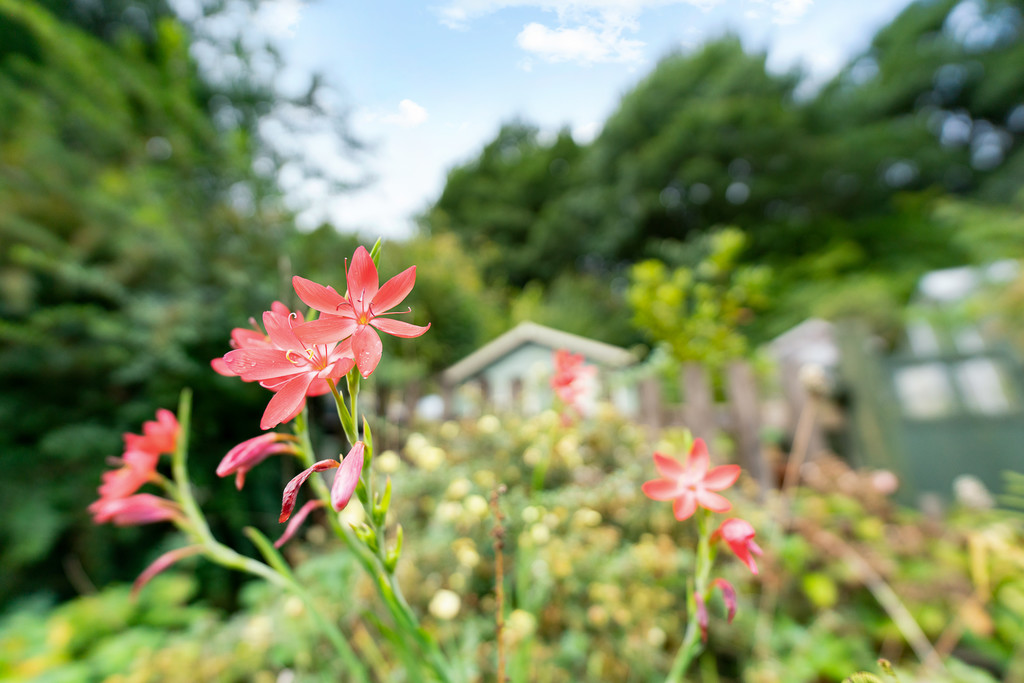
x: 698, y: 461
x: 316, y: 296
x: 291, y: 491
x: 221, y: 368
x: 163, y: 562
x: 281, y: 335
x: 684, y: 506
x: 259, y: 364
x: 287, y: 402
x: 722, y: 477
x: 296, y: 521
x: 670, y: 468
x: 367, y: 347
x: 399, y: 328
x: 347, y: 477
x: 660, y: 489
x: 394, y: 291
x: 713, y: 501
x: 327, y: 329
x: 362, y: 279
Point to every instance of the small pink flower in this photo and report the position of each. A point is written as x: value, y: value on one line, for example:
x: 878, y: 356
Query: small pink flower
x: 358, y: 314
x: 692, y: 484
x: 289, y: 368
x: 138, y: 468
x: 739, y: 535
x: 573, y: 381
x: 251, y: 452
x: 345, y: 481
x: 158, y: 438
x: 140, y: 508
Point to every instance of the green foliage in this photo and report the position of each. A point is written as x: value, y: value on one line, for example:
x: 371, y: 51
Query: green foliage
x: 697, y: 311
x: 135, y: 234
x: 844, y: 188
x: 596, y: 579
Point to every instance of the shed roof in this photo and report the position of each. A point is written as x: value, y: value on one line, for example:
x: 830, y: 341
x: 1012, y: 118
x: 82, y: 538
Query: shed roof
x: 526, y: 333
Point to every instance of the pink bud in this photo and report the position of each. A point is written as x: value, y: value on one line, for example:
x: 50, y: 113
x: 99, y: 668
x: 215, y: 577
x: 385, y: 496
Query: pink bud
x: 728, y: 595
x: 347, y: 478
x: 291, y: 491
x: 251, y: 452
x: 702, y: 616
x: 295, y: 522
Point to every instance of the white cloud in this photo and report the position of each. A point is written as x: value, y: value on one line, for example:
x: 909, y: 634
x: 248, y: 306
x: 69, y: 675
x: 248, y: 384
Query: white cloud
x: 409, y: 115
x: 582, y: 44
x: 788, y: 11
x: 278, y: 19
x: 587, y: 31
x: 586, y: 132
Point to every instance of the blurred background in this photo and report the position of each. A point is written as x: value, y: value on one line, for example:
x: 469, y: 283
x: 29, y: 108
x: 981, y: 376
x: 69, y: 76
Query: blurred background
x: 718, y: 188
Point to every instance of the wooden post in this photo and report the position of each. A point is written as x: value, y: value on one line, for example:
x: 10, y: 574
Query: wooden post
x: 650, y: 404
x: 797, y: 399
x: 741, y: 386
x: 517, y: 396
x: 698, y: 402
x: 448, y: 400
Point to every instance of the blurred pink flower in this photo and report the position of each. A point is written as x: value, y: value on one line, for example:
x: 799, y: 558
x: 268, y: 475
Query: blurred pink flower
x: 140, y: 508
x: 739, y: 535
x: 118, y: 502
x: 692, y: 484
x: 163, y: 562
x: 158, y: 438
x: 138, y: 468
x: 251, y: 452
x: 289, y: 367
x: 573, y: 382
x: 702, y: 615
x: 360, y: 313
x: 728, y: 596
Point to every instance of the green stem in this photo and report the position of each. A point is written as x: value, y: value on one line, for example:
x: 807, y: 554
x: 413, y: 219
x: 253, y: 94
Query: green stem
x: 691, y: 645
x: 372, y: 563
x: 221, y: 554
x: 334, y: 634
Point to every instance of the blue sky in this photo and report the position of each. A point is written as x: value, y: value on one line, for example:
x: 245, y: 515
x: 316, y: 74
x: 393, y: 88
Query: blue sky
x: 427, y: 84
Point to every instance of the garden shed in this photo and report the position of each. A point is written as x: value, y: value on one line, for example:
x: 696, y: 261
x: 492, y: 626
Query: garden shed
x: 950, y: 402
x: 512, y: 372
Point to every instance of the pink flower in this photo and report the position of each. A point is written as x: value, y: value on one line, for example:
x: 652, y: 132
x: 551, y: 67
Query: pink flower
x: 739, y: 535
x: 251, y: 452
x: 692, y: 484
x: 159, y: 437
x: 345, y: 481
x: 573, y: 381
x: 360, y: 312
x: 289, y: 368
x: 140, y: 508
x: 138, y: 468
x: 118, y: 502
